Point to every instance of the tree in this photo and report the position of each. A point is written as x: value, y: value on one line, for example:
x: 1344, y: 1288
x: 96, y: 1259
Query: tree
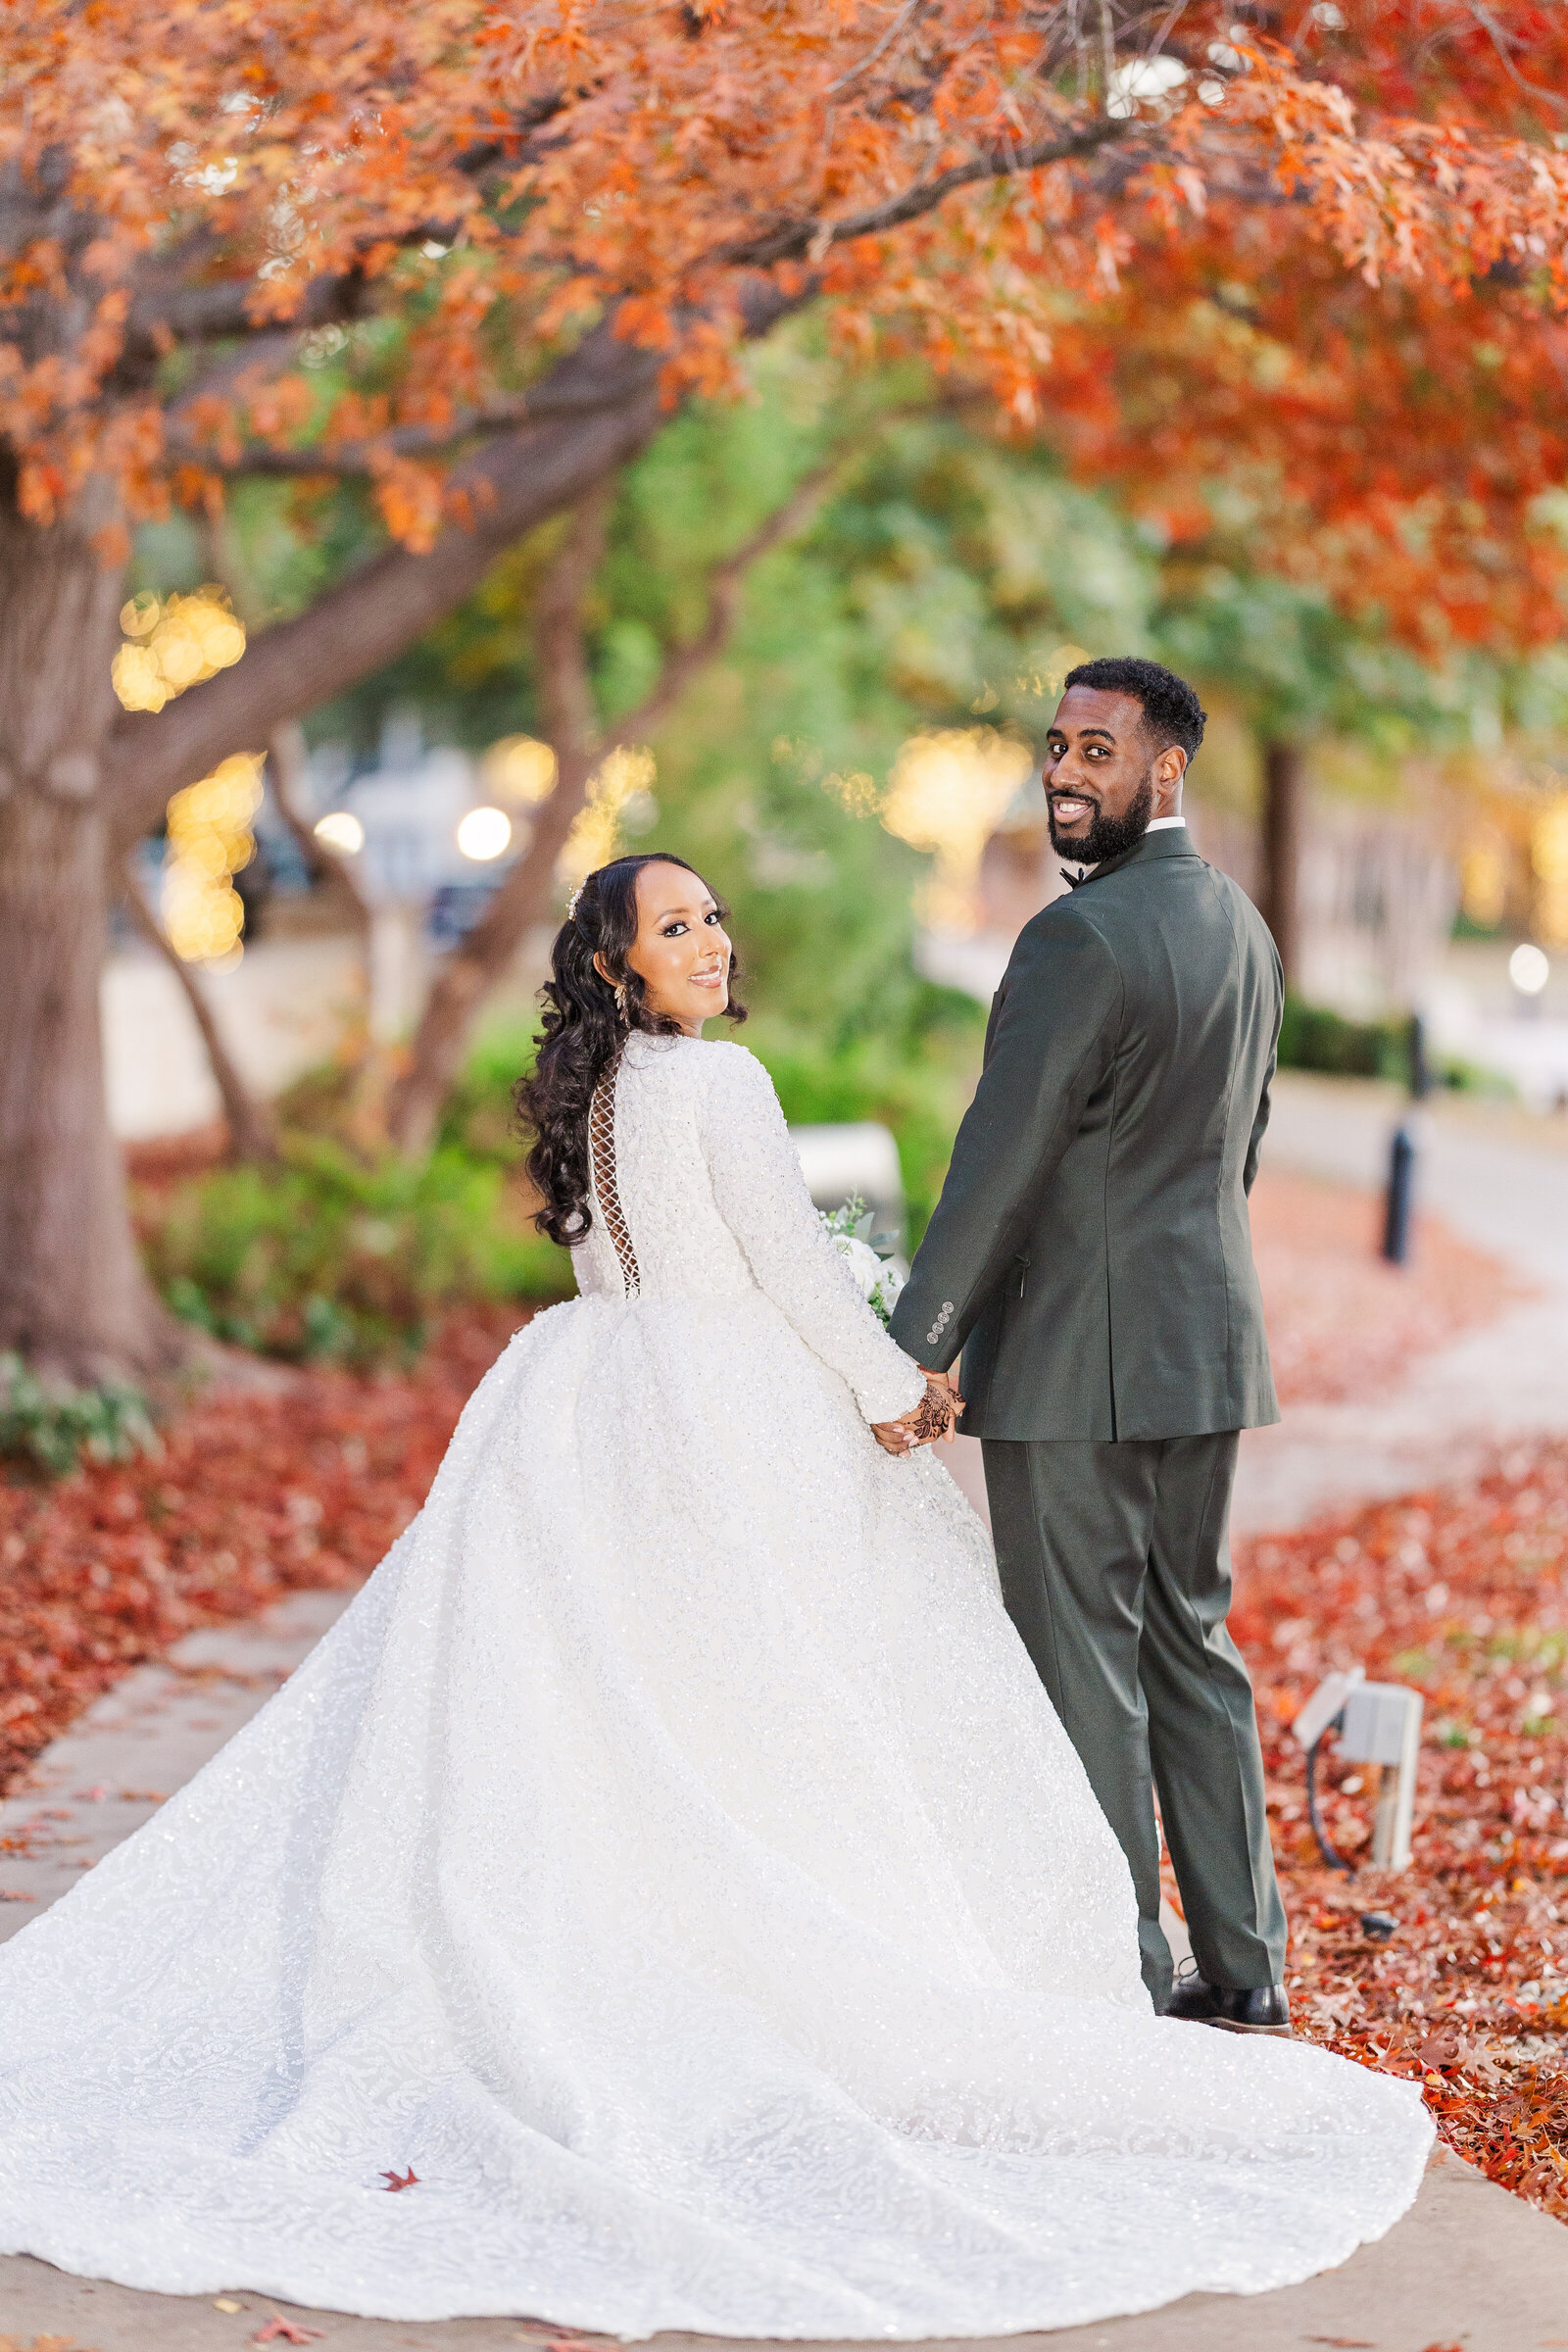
x: 470, y: 254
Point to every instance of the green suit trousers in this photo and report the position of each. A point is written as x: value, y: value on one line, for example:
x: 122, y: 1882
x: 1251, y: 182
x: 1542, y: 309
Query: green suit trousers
x: 1115, y: 1569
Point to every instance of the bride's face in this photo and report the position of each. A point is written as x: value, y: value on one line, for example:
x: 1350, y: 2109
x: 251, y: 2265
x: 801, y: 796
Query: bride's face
x: 681, y: 952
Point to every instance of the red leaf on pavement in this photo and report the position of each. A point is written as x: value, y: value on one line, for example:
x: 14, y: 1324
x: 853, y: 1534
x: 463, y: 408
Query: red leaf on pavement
x: 279, y: 2330
x: 396, y: 2180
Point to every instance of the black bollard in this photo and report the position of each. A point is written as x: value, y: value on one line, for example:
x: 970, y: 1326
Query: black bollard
x: 1401, y: 1153
x: 1396, y: 1207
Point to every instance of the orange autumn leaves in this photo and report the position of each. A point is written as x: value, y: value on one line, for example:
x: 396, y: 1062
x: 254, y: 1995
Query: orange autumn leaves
x: 286, y: 233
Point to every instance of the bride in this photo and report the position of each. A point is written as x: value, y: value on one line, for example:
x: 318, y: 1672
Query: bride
x: 668, y: 1877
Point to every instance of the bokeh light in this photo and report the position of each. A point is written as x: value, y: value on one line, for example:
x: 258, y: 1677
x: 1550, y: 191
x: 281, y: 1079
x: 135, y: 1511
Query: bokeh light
x: 484, y: 833
x: 1529, y: 969
x: 623, y: 778
x: 1548, y: 863
x: 520, y: 768
x: 210, y: 842
x: 341, y: 830
x: 172, y: 643
x: 948, y: 792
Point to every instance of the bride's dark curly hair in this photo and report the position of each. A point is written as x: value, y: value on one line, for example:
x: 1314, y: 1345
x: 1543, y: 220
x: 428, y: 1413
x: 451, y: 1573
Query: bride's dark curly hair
x: 582, y: 1036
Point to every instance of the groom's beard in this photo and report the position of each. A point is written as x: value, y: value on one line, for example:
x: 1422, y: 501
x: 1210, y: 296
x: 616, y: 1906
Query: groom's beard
x: 1108, y: 836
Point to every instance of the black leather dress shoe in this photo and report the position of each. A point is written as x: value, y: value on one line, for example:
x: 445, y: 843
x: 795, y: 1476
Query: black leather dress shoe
x: 1262, y: 2009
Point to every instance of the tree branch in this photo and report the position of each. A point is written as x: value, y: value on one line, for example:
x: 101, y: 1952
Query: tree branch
x: 473, y: 968
x: 802, y: 239
x: 518, y: 482
x: 286, y: 744
x: 285, y: 767
x: 252, y: 1135
x: 1501, y: 43
x: 565, y: 688
x: 168, y: 306
x: 602, y: 406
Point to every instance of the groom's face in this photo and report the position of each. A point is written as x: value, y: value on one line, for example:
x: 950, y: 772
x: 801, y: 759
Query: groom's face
x: 1104, y: 780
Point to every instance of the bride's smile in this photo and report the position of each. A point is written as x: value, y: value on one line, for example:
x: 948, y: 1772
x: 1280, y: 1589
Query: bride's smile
x: 681, y: 952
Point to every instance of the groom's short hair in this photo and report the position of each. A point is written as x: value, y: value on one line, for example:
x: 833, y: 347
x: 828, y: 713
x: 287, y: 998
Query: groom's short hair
x: 1172, y: 711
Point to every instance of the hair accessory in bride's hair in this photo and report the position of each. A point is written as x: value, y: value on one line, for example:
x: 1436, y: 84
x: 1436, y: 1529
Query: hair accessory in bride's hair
x: 571, y: 903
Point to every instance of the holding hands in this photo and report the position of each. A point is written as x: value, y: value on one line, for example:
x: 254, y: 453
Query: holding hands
x: 935, y: 1416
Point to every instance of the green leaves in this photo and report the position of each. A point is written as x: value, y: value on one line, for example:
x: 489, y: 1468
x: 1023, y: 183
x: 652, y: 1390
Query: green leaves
x: 331, y: 1259
x: 49, y: 1428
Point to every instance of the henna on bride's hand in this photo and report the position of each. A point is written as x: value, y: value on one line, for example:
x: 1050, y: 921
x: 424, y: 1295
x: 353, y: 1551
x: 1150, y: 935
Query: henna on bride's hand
x: 932, y: 1417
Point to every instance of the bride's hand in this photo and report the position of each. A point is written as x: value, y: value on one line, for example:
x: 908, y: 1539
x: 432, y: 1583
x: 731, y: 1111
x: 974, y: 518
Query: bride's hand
x: 932, y: 1418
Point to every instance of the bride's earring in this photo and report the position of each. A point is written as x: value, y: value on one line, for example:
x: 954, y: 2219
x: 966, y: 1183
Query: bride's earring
x: 620, y: 1000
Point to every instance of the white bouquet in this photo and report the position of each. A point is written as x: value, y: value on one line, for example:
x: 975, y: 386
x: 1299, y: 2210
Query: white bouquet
x: 850, y: 1230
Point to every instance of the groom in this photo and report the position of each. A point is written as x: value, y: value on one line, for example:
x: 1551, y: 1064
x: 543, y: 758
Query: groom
x: 1091, y: 1258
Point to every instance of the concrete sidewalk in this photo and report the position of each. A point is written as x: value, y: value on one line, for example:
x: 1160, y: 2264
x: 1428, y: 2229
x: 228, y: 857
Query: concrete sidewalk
x: 1500, y: 1181
x: 1470, y: 2266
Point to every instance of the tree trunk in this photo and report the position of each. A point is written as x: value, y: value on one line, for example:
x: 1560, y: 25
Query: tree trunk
x: 1284, y: 807
x: 72, y: 1295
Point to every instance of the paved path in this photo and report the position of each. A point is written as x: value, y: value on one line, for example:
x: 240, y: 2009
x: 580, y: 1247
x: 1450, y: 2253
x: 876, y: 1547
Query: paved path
x: 1470, y: 2266
x: 142, y: 1741
x: 1500, y: 1183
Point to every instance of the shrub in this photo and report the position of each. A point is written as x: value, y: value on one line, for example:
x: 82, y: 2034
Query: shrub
x: 1313, y: 1038
x: 328, y: 1258
x: 48, y: 1427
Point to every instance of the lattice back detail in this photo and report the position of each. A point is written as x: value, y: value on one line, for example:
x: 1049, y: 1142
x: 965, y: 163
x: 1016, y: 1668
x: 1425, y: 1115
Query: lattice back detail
x: 602, y: 1147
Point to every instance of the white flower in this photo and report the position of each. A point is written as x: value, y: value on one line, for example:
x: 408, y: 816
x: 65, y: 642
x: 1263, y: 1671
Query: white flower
x: 862, y: 1261
x: 879, y: 1283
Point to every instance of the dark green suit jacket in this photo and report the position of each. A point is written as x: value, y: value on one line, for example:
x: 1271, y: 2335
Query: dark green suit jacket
x: 1091, y: 1253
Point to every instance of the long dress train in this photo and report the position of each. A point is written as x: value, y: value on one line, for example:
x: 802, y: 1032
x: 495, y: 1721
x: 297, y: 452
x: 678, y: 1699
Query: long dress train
x: 671, y: 1857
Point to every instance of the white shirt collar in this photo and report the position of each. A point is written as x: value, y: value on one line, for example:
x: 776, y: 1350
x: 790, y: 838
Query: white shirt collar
x: 1163, y: 824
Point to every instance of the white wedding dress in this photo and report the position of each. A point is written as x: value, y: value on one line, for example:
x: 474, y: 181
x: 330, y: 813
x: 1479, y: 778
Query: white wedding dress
x: 673, y: 1858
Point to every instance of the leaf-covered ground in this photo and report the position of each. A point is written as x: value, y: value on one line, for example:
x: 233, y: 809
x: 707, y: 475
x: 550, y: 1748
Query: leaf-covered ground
x: 1463, y: 1591
x: 252, y: 1496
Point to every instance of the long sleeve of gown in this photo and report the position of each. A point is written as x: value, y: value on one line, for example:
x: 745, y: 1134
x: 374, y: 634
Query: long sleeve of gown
x: 762, y: 1196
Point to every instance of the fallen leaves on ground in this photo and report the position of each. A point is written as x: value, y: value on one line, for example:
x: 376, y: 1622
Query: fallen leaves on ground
x: 1461, y: 1593
x: 253, y: 1497
x: 393, y: 2181
x: 279, y: 2330
x: 1342, y: 1323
